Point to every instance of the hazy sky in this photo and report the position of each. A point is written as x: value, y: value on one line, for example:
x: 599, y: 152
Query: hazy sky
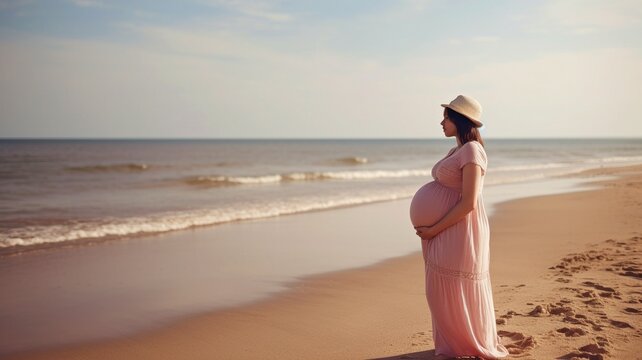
x: 318, y: 69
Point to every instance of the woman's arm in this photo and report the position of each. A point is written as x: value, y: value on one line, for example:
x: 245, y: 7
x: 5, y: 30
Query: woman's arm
x: 470, y: 189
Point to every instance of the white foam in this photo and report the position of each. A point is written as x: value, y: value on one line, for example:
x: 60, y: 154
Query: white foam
x: 524, y: 172
x: 375, y: 174
x: 219, y: 180
x: 172, y: 221
x: 354, y: 160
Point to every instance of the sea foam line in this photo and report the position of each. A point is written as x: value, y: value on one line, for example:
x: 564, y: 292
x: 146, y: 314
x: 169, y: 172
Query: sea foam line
x: 221, y: 180
x: 172, y: 221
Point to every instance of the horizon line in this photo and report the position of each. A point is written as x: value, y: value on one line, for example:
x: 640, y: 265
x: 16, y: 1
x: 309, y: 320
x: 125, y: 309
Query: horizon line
x: 315, y: 138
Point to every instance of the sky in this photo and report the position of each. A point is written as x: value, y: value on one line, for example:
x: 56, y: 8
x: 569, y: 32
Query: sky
x: 318, y: 69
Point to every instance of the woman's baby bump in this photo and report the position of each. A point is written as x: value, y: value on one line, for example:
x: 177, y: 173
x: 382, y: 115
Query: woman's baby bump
x: 431, y: 202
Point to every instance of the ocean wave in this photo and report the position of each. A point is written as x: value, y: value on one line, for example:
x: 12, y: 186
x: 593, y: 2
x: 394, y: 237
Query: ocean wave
x: 172, y: 221
x: 352, y: 160
x: 374, y: 174
x: 127, y: 167
x: 221, y: 180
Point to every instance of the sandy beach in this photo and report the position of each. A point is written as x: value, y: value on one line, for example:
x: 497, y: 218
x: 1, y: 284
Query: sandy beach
x: 566, y: 273
x: 240, y: 179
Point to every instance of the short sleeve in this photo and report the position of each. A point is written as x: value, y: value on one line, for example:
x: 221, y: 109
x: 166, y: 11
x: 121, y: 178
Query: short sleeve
x: 473, y: 152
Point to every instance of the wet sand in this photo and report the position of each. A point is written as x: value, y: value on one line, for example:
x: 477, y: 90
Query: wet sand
x: 566, y: 278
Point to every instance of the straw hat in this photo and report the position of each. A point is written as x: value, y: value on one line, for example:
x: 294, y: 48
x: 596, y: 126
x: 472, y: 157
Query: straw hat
x: 468, y: 107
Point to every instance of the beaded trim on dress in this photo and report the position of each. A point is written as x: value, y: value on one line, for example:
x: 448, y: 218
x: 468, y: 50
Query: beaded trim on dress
x: 456, y: 273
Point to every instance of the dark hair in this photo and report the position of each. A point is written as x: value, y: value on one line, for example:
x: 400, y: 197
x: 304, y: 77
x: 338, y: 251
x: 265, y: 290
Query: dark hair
x: 466, y: 130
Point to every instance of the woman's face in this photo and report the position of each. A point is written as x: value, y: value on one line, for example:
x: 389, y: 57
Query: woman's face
x: 448, y: 126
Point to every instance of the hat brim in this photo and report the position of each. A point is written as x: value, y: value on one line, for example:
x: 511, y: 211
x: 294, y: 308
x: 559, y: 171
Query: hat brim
x: 474, y: 121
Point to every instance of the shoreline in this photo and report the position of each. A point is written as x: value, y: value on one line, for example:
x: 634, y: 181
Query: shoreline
x: 559, y: 183
x: 343, y: 284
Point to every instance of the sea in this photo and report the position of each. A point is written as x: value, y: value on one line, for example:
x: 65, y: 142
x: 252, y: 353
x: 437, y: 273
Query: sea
x: 60, y: 191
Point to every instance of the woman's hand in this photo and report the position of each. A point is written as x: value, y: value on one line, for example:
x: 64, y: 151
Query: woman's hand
x: 426, y: 232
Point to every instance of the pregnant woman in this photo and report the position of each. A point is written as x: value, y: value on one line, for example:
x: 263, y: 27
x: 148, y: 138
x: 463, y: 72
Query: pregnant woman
x: 449, y: 216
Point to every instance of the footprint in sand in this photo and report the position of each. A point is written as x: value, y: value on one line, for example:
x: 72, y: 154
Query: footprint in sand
x: 574, y: 320
x: 568, y: 313
x: 509, y: 314
x: 620, y: 324
x: 561, y: 310
x: 595, y: 302
x: 593, y: 278
x: 610, y: 295
x: 516, y: 343
x: 595, y: 351
x: 633, y: 310
x: 575, y: 263
x: 582, y: 355
x: 633, y: 274
x: 600, y: 287
x: 552, y: 309
x: 587, y: 294
x: 572, y: 332
x: 580, y: 319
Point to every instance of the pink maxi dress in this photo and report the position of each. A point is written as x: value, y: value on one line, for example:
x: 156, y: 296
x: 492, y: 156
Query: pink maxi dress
x: 458, y: 285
